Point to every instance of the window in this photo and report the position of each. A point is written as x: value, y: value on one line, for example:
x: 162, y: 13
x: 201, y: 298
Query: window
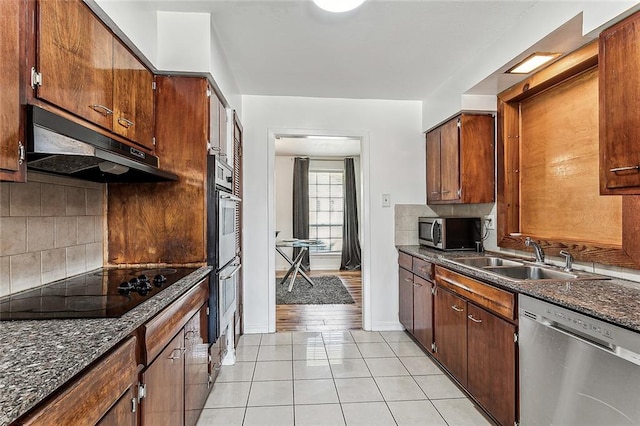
x: 326, y: 206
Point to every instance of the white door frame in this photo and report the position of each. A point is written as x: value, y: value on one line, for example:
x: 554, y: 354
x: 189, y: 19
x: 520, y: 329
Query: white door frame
x: 365, y: 226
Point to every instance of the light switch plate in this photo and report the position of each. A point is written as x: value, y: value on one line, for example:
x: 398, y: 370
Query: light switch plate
x: 386, y: 200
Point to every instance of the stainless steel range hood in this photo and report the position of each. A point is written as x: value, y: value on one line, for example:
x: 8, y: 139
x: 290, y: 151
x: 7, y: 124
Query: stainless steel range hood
x: 60, y: 146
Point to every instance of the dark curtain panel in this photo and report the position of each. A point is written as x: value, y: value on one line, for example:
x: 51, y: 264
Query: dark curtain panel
x: 350, y: 242
x: 301, y: 205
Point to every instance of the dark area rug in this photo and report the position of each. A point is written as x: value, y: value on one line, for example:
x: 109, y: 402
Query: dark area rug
x: 328, y: 290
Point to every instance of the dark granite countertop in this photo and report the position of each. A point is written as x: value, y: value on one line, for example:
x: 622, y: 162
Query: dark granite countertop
x: 37, y: 357
x: 614, y: 300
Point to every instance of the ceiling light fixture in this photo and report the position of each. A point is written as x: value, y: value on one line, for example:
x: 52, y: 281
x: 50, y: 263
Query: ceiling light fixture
x: 532, y: 63
x: 338, y: 6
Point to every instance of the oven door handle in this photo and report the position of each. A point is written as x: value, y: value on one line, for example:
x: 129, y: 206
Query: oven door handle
x: 231, y: 198
x: 235, y: 271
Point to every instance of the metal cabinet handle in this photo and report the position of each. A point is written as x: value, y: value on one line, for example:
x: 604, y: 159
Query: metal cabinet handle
x: 624, y: 169
x: 21, y: 153
x: 456, y: 308
x: 409, y: 280
x: 101, y: 109
x: 446, y: 192
x: 435, y: 192
x: 190, y: 334
x: 417, y: 285
x: 474, y: 319
x: 124, y: 122
x: 179, y: 355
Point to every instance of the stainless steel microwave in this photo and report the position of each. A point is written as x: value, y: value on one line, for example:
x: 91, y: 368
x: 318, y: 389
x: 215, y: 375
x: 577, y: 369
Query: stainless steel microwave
x: 450, y: 233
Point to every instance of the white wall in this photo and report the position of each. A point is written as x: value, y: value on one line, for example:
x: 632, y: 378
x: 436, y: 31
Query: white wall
x: 392, y: 162
x: 184, y: 41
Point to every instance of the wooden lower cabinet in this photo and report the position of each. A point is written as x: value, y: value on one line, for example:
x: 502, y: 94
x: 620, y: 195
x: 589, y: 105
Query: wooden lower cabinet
x: 450, y: 323
x: 121, y: 414
x: 423, y: 311
x: 164, y: 386
x: 491, y: 363
x: 405, y: 289
x: 196, y: 366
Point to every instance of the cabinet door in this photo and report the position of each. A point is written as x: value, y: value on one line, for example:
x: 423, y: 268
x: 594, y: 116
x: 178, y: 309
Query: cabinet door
x: 492, y: 363
x: 423, y: 311
x: 450, y: 161
x: 433, y: 166
x: 132, y: 97
x: 450, y: 327
x: 477, y: 171
x: 75, y: 53
x: 164, y: 381
x: 405, y: 291
x: 619, y: 86
x: 222, y: 119
x: 122, y: 413
x: 214, y: 121
x: 196, y: 366
x: 12, y: 166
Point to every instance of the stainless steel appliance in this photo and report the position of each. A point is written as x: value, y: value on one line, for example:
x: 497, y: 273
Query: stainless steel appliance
x: 60, y: 146
x: 221, y: 245
x: 450, y: 233
x: 102, y: 293
x: 576, y: 370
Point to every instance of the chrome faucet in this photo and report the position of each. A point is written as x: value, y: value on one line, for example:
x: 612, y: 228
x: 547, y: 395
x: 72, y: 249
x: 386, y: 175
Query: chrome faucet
x: 536, y: 249
x: 568, y: 260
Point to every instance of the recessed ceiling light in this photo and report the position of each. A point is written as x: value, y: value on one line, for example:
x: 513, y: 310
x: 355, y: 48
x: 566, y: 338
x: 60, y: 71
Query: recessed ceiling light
x: 338, y: 6
x: 532, y: 63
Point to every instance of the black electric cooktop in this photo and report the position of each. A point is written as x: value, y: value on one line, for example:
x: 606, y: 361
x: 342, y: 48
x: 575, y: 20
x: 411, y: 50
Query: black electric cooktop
x: 103, y: 293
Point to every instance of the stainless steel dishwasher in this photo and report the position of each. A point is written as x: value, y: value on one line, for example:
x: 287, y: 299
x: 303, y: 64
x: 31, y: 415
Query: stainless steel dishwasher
x: 574, y: 369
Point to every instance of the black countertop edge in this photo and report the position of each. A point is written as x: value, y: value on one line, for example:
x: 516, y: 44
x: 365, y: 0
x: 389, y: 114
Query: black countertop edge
x: 615, y: 300
x: 37, y: 357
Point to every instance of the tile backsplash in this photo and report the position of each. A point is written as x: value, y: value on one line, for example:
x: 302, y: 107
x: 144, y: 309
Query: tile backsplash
x: 50, y: 228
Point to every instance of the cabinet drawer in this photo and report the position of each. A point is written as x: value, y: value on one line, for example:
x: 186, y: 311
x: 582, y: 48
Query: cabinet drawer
x: 86, y: 400
x: 404, y: 260
x: 423, y: 269
x: 164, y: 326
x: 491, y: 298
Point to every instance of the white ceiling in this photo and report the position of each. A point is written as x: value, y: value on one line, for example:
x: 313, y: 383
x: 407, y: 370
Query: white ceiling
x: 317, y: 147
x: 385, y: 49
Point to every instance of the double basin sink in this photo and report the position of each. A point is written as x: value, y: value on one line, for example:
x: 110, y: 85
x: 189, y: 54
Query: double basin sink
x: 516, y: 270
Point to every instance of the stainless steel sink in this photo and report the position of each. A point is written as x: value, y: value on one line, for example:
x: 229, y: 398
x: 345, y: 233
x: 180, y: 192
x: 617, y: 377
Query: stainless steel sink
x: 523, y: 270
x: 533, y: 273
x: 485, y: 261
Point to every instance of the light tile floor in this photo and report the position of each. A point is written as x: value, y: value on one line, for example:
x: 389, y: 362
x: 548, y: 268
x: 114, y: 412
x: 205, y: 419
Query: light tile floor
x: 335, y: 378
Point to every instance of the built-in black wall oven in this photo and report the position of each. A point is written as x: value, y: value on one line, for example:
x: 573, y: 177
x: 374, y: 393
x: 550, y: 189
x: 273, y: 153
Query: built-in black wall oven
x: 221, y: 247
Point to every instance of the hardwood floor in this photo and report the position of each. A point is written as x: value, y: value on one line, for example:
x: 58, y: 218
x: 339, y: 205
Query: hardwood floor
x: 324, y: 317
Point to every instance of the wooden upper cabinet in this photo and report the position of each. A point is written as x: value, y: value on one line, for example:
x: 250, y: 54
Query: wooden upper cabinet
x: 75, y: 52
x: 217, y: 124
x: 433, y: 166
x: 133, y: 101
x: 619, y: 87
x: 460, y: 161
x: 12, y: 165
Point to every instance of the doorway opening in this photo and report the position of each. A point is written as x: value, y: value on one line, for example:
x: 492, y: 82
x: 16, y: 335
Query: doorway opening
x: 318, y: 203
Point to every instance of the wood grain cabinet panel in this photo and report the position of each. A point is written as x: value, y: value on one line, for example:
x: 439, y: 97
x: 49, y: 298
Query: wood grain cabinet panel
x: 164, y: 382
x: 491, y: 363
x: 133, y: 101
x: 122, y: 414
x: 460, y: 160
x: 75, y: 53
x: 405, y: 288
x: 423, y: 311
x: 450, y: 324
x: 196, y: 366
x: 12, y: 166
x: 619, y: 87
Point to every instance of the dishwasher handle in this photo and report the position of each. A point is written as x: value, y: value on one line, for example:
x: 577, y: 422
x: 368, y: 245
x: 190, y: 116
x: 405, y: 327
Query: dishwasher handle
x: 612, y: 349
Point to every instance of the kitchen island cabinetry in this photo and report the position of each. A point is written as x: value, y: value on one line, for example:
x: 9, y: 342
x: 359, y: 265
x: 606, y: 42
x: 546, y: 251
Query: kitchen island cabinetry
x: 619, y: 90
x: 103, y: 394
x: 416, y: 298
x: 460, y: 160
x: 12, y: 143
x: 475, y: 340
x: 81, y: 67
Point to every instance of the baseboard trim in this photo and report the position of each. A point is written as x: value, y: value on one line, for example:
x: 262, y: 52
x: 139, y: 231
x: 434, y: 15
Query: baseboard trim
x: 387, y: 326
